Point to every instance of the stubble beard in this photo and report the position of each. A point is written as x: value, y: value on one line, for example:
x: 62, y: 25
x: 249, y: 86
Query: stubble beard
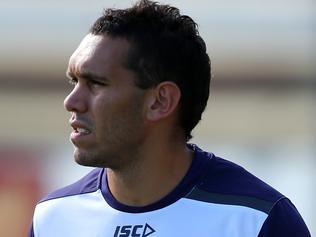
x: 119, y: 145
x: 119, y: 151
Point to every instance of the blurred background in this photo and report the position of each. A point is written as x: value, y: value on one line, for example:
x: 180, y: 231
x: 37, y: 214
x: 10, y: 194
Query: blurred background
x: 261, y: 112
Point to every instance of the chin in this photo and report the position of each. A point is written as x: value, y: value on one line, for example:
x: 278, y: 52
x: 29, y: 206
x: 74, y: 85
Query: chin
x: 90, y: 159
x: 84, y: 158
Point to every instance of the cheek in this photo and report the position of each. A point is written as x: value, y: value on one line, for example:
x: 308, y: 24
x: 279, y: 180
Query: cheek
x: 113, y: 112
x: 115, y: 106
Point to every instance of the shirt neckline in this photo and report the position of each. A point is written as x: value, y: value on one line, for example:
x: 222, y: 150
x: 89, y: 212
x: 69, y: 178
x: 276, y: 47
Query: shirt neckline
x: 187, y: 183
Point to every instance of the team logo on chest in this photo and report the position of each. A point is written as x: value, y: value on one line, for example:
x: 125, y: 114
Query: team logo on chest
x: 133, y: 231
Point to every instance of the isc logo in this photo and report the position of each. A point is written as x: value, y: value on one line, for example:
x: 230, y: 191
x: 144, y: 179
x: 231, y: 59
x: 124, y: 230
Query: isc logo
x: 133, y: 231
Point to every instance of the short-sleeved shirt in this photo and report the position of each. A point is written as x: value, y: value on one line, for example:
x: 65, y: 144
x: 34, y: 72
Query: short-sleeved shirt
x: 216, y: 198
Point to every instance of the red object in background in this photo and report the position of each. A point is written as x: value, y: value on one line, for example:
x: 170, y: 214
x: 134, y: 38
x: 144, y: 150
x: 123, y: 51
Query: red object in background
x: 20, y: 189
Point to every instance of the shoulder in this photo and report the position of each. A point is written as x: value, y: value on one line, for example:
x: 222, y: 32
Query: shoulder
x: 54, y: 210
x: 227, y: 183
x: 89, y: 183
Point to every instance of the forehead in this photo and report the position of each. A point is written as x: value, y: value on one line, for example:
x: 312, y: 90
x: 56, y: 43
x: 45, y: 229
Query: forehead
x: 98, y: 53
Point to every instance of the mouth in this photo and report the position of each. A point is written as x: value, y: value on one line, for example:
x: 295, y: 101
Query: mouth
x: 80, y: 132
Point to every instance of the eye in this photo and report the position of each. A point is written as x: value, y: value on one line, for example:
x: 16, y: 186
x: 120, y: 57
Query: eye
x: 73, y: 81
x: 96, y: 83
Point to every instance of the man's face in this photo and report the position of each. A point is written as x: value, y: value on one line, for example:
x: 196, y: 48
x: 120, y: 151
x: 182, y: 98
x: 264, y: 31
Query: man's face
x: 106, y: 106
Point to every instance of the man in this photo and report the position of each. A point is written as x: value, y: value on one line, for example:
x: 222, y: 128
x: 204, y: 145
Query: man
x: 141, y: 82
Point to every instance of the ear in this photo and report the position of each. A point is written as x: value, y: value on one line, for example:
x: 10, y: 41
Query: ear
x: 163, y: 101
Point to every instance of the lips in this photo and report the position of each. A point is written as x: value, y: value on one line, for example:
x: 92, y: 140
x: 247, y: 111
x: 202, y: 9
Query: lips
x: 80, y: 131
x: 79, y: 126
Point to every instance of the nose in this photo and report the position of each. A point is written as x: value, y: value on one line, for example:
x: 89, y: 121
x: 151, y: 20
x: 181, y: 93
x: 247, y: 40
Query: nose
x: 76, y: 101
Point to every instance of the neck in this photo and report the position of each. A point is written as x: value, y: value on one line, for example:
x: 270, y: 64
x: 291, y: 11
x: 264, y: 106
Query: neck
x: 159, y: 170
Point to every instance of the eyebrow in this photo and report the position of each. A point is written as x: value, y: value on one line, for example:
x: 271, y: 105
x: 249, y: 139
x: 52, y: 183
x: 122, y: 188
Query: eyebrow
x: 86, y: 75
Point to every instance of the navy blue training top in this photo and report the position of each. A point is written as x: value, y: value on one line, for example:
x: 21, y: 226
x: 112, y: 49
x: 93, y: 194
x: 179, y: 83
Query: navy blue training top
x: 216, y: 198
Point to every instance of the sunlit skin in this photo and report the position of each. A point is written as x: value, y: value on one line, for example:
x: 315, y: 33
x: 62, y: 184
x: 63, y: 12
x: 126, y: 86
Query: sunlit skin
x: 131, y: 131
x: 105, y: 101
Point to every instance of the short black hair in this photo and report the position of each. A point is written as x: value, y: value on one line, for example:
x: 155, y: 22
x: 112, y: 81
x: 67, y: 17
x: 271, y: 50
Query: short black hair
x: 166, y: 46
